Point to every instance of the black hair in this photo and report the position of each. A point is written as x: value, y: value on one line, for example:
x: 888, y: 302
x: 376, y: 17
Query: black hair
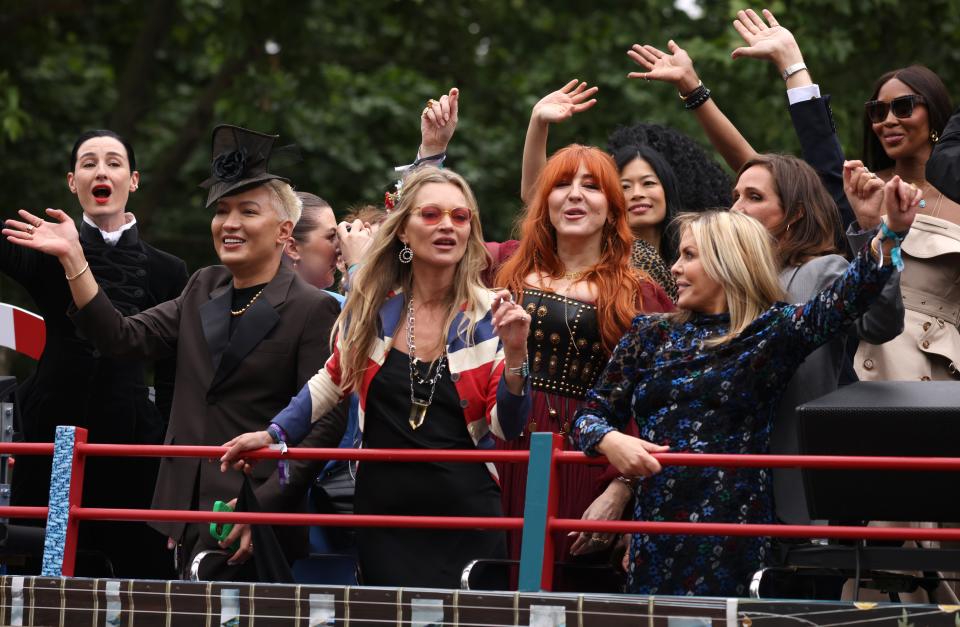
x: 671, y: 191
x: 131, y: 158
x: 923, y: 81
x: 705, y: 184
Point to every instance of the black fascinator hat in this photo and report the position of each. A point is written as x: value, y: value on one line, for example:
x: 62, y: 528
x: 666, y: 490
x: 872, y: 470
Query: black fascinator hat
x: 241, y: 160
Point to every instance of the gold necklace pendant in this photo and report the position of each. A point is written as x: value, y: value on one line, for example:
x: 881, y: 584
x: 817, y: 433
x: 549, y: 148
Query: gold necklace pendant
x: 418, y: 411
x: 573, y: 277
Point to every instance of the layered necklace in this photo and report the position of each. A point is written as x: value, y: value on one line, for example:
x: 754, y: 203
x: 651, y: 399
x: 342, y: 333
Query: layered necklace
x: 419, y: 406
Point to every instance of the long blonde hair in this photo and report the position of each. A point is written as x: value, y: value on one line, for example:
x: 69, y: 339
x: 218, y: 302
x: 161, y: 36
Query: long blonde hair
x: 740, y: 254
x: 382, y: 274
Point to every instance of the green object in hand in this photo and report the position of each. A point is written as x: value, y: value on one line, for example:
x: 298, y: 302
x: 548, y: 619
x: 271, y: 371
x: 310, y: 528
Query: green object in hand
x: 220, y: 532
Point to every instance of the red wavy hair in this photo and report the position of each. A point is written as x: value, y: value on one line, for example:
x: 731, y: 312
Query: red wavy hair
x: 618, y: 283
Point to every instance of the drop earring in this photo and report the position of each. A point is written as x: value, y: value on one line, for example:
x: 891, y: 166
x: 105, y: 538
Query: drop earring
x: 406, y: 254
x: 934, y: 138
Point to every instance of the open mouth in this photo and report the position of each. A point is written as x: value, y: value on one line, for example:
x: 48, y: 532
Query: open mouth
x: 574, y: 214
x: 445, y: 242
x: 101, y: 193
x: 231, y: 243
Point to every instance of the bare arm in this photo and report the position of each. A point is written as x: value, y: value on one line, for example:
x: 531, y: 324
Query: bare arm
x: 676, y: 68
x: 555, y: 107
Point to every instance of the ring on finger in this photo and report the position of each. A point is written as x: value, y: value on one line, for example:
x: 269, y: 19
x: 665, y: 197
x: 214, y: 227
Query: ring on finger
x: 30, y: 229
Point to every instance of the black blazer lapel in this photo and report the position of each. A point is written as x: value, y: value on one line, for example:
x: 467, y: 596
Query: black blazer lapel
x: 215, y: 320
x: 253, y: 326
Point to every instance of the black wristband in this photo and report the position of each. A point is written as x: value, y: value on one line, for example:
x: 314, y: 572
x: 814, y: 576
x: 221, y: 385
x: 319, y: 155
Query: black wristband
x: 696, y: 98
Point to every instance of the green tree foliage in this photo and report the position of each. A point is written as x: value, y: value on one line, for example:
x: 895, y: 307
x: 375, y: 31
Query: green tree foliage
x: 347, y: 80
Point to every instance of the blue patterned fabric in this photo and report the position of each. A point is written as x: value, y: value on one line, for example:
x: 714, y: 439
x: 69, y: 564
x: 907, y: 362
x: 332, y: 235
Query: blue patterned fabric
x: 712, y: 399
x: 59, y: 506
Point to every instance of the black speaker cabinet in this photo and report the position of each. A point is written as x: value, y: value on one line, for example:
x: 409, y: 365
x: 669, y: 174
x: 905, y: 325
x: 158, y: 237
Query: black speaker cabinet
x: 888, y: 418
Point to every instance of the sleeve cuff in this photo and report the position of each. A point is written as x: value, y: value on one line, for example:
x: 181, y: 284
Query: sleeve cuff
x: 802, y: 94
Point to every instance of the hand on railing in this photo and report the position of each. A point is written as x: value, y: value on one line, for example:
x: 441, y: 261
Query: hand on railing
x: 630, y: 455
x: 240, y: 444
x: 608, y: 506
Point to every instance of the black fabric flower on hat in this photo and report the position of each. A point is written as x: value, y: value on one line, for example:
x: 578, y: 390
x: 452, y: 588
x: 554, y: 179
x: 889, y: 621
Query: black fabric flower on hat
x: 242, y: 161
x: 229, y: 166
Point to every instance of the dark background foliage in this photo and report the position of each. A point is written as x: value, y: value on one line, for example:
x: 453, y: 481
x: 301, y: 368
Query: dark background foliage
x: 347, y: 80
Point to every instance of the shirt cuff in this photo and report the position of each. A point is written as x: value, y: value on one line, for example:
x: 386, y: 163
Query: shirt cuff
x: 802, y: 94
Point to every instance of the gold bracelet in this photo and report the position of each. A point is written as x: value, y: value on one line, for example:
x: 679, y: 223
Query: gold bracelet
x: 78, y: 274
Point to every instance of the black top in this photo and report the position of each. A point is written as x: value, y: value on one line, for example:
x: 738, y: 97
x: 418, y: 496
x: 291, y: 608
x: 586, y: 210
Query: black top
x: 421, y: 557
x: 564, y: 344
x: 74, y: 384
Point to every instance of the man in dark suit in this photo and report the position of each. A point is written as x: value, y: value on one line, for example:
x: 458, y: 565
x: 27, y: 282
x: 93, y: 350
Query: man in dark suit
x: 246, y: 336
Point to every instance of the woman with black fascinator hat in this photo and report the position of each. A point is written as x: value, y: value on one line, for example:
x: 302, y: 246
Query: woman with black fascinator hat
x: 246, y: 335
x: 76, y: 384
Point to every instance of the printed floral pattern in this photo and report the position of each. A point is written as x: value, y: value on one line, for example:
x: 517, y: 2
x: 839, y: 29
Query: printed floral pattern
x: 703, y: 398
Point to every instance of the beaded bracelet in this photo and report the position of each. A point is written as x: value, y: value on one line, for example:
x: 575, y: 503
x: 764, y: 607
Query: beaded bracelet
x: 696, y: 97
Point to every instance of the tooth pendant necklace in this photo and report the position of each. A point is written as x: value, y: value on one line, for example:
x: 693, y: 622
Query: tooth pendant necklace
x: 419, y: 406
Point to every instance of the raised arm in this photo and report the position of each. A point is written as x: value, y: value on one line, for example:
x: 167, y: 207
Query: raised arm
x: 553, y: 108
x: 849, y: 297
x: 438, y: 123
x: 676, y: 67
x: 60, y: 239
x: 812, y: 118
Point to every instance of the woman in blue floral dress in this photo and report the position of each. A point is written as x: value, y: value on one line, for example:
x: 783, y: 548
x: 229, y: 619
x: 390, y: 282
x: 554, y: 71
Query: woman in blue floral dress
x: 708, y: 380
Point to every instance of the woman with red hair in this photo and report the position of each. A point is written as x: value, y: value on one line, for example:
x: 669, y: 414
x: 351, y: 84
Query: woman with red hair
x: 571, y: 269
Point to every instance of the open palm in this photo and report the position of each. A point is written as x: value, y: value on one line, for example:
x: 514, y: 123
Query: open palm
x: 673, y: 67
x: 55, y: 238
x: 763, y: 42
x: 560, y: 105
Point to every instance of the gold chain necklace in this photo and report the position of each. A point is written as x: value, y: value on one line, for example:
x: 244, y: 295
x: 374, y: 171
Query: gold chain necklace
x: 244, y: 309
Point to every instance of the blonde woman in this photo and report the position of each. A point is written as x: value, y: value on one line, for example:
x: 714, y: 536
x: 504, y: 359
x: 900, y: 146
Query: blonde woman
x: 439, y: 362
x: 708, y: 380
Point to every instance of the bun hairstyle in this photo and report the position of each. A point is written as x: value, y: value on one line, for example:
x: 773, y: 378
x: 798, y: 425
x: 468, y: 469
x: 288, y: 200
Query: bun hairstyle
x: 131, y: 158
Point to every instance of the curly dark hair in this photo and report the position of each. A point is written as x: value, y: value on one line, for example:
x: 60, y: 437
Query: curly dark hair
x: 704, y: 184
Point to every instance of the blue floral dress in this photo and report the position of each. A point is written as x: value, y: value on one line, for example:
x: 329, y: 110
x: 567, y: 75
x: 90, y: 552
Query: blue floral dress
x: 703, y: 398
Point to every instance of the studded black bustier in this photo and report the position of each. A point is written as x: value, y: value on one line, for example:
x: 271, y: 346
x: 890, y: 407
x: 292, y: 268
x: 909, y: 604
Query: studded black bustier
x: 564, y: 346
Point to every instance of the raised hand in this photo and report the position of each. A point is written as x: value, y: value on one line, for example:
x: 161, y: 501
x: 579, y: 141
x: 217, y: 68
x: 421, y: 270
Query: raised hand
x: 557, y: 106
x: 57, y: 238
x: 900, y: 203
x: 438, y: 122
x: 512, y: 323
x: 864, y: 190
x: 766, y: 40
x: 675, y: 67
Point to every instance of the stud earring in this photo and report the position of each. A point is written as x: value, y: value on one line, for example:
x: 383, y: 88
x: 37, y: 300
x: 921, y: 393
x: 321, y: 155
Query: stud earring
x: 934, y: 138
x: 406, y: 254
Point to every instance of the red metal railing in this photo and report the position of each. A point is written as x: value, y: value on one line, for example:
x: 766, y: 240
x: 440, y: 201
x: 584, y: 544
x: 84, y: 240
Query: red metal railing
x: 538, y: 562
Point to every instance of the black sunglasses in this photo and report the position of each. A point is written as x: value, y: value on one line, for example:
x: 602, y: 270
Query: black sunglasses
x: 902, y: 107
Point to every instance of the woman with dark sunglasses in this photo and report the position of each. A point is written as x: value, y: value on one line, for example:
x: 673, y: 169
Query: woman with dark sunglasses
x: 903, y: 121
